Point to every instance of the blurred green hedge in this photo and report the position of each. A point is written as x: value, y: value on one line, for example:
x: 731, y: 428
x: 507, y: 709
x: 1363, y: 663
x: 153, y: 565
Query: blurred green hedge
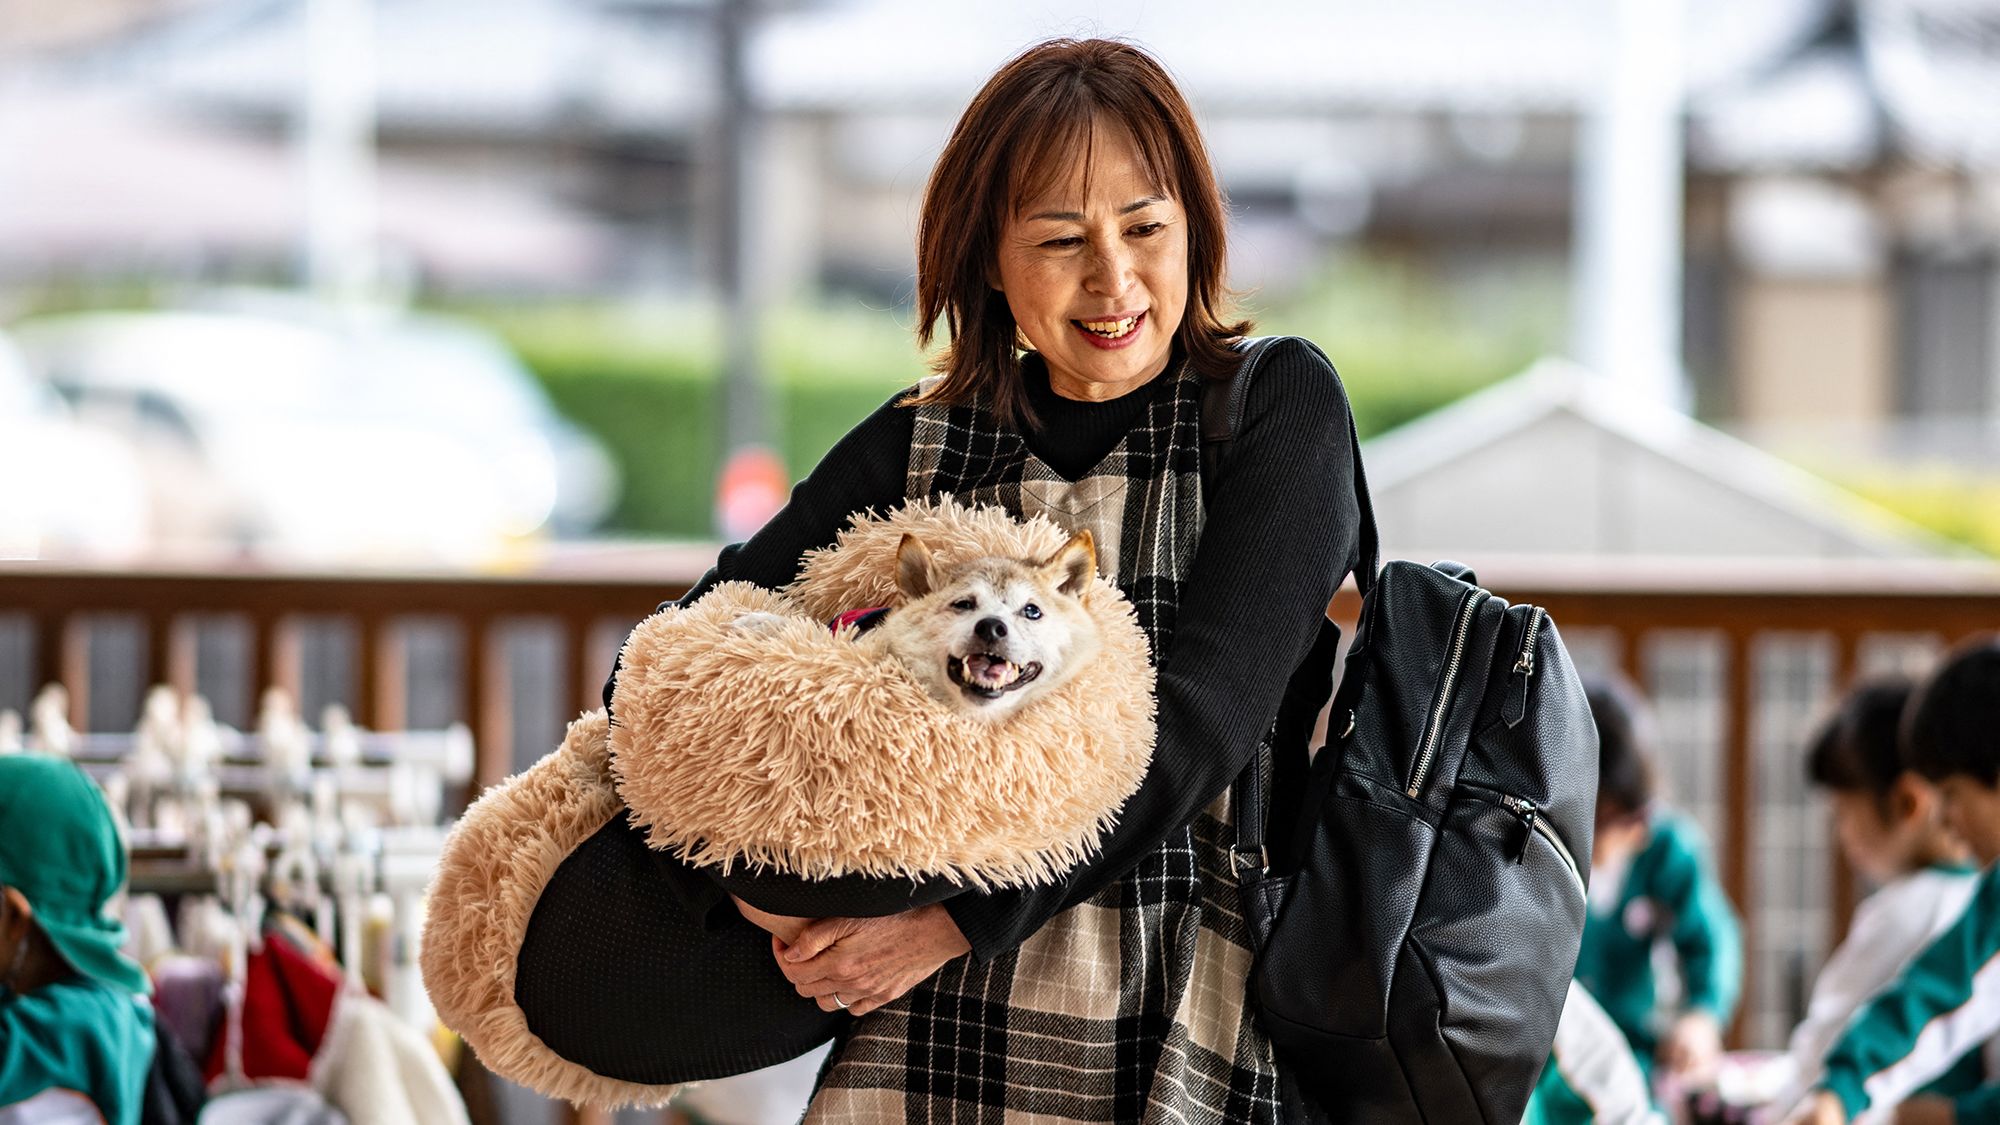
x: 647, y: 384
x: 645, y: 380
x: 1952, y: 501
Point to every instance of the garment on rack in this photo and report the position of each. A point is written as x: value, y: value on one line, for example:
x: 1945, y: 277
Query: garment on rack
x: 301, y: 1023
x: 378, y: 1069
x: 174, y: 1089
x: 149, y: 936
x: 302, y: 937
x: 187, y: 997
x: 287, y: 1005
x: 271, y: 1105
x: 52, y: 1107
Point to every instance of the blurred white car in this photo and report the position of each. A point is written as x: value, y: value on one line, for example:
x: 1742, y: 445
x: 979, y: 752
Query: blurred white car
x: 66, y: 490
x: 334, y: 440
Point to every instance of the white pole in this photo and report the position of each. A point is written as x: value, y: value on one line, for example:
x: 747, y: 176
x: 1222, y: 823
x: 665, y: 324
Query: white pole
x: 337, y: 136
x: 1628, y: 215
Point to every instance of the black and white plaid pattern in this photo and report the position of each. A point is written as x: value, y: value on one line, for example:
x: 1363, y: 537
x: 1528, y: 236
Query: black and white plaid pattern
x: 1130, y: 1007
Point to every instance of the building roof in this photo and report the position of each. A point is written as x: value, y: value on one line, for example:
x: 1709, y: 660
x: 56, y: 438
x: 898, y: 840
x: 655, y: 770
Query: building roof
x: 1914, y: 76
x: 1558, y: 461
x: 1461, y: 55
x: 479, y: 64
x: 206, y: 190
x: 467, y: 67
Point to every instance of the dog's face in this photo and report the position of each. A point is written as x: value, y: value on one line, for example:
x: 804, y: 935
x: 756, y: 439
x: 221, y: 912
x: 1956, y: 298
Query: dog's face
x: 989, y: 635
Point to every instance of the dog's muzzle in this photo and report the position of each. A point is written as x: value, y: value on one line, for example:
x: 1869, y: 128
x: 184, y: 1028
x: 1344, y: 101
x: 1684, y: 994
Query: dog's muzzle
x: 986, y: 676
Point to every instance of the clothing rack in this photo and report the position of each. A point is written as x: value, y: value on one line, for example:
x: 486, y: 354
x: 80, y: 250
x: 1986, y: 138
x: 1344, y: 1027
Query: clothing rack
x: 341, y: 822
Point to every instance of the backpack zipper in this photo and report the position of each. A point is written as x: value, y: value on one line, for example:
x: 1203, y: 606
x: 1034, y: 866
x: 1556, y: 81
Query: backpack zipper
x: 1435, y: 734
x: 1532, y: 819
x: 1525, y: 664
x: 1516, y: 706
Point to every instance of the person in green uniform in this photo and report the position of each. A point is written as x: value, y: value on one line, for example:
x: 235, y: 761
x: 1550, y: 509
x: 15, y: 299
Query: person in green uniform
x: 1947, y: 1002
x: 1888, y: 820
x: 1591, y: 1077
x: 76, y: 1030
x: 1653, y: 886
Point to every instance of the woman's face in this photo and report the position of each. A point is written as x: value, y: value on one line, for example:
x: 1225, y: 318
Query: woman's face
x: 1097, y: 277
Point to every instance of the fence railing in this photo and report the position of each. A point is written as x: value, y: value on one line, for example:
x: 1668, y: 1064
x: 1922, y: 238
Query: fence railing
x: 1741, y: 659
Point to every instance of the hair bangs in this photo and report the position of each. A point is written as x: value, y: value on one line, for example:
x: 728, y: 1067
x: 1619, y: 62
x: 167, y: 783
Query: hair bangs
x: 1057, y: 143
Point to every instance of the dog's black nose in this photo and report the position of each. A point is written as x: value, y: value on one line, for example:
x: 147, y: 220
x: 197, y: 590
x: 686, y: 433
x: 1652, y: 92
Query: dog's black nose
x: 990, y: 629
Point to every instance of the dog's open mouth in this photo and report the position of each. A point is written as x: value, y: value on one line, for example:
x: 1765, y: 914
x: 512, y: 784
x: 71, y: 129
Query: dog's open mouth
x: 987, y: 676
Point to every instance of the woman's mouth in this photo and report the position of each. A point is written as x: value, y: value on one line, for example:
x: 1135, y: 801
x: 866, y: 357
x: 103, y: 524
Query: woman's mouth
x: 1116, y: 333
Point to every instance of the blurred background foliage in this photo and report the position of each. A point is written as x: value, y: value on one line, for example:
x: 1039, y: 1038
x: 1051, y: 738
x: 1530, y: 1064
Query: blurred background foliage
x: 644, y: 377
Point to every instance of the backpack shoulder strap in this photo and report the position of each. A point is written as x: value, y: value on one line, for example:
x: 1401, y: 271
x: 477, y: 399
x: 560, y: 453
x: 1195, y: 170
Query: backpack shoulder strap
x: 1222, y: 407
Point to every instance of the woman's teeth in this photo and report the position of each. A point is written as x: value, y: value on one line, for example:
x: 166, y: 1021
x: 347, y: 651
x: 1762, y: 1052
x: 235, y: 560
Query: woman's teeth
x: 1110, y: 329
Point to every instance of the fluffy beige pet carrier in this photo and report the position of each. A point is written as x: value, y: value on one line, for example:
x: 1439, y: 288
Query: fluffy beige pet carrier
x: 796, y: 752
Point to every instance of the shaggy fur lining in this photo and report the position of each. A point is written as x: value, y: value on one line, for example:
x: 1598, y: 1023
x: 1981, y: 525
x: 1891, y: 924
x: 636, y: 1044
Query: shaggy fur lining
x: 496, y: 862
x: 816, y: 754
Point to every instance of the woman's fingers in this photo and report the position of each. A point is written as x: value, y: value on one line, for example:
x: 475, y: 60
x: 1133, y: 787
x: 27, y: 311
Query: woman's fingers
x: 784, y: 926
x: 869, y: 962
x: 832, y: 996
x: 819, y: 936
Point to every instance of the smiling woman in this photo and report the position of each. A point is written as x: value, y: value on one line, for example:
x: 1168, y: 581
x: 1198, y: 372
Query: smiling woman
x: 1072, y: 246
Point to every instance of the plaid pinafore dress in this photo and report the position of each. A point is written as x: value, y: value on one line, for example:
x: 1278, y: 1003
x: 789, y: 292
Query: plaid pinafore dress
x: 1129, y: 1007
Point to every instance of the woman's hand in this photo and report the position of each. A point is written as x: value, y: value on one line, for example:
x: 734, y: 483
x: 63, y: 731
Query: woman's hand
x: 868, y: 962
x: 784, y: 927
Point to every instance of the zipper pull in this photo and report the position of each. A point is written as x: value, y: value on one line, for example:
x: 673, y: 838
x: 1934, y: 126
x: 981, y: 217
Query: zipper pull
x: 1516, y: 707
x: 1526, y: 811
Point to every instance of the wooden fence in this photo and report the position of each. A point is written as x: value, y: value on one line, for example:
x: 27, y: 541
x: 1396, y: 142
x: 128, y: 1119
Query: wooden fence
x: 1740, y: 659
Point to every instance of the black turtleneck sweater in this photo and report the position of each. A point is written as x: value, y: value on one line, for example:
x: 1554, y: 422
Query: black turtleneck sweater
x: 1280, y: 534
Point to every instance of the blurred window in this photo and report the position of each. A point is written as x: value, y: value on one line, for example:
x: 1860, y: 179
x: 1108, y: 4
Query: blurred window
x: 1947, y: 333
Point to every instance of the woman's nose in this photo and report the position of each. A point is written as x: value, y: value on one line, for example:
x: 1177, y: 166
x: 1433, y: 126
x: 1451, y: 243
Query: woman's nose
x: 1110, y: 269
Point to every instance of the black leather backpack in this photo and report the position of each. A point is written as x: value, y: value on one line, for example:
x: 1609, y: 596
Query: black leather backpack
x: 1416, y: 895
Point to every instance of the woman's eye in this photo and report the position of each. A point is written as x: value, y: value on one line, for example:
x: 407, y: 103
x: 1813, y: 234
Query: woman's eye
x: 1031, y: 611
x: 965, y: 605
x: 1145, y: 229
x: 1063, y: 243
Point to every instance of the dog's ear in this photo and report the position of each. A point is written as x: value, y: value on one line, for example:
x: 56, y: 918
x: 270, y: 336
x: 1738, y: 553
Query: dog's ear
x: 916, y: 570
x: 1073, y: 565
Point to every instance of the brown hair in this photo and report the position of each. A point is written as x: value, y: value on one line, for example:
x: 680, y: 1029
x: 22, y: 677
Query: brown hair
x: 1024, y: 129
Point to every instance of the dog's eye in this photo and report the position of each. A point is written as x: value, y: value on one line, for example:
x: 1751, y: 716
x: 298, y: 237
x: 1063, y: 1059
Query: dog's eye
x: 1031, y: 611
x: 965, y: 605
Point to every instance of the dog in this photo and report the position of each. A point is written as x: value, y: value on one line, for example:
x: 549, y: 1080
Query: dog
x: 987, y: 636
x: 984, y: 637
